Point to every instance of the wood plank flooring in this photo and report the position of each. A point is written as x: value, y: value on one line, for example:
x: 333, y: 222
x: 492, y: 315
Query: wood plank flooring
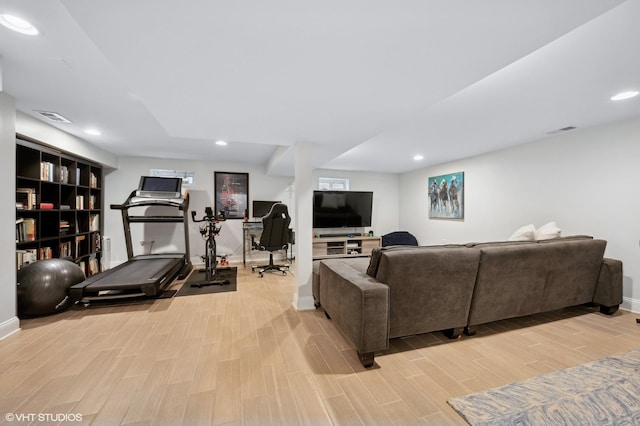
x: 248, y: 357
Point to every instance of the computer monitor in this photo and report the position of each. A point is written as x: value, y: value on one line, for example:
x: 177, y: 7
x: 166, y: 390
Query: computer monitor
x: 159, y: 187
x: 262, y: 208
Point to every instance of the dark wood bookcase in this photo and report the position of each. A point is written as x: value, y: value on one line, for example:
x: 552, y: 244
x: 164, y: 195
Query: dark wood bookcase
x: 59, y: 209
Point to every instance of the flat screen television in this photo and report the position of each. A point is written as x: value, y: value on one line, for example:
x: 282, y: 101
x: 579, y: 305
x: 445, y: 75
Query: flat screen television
x: 340, y: 209
x: 261, y: 208
x: 159, y: 187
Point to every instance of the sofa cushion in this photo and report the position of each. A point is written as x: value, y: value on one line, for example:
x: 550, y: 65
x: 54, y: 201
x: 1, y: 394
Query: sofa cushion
x: 524, y: 279
x: 548, y: 231
x: 372, y: 269
x: 524, y: 233
x: 430, y: 288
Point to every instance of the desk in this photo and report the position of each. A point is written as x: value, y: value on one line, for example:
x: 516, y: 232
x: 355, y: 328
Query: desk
x: 249, y: 229
x: 254, y: 229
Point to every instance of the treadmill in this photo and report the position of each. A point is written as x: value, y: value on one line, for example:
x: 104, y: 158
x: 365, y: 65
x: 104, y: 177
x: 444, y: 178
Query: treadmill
x: 142, y: 275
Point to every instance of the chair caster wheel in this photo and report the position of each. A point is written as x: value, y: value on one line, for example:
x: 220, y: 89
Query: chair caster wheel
x: 284, y: 272
x: 260, y: 275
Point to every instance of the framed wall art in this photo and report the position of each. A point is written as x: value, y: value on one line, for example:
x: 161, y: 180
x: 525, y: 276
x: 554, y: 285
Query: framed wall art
x: 446, y: 196
x: 232, y: 194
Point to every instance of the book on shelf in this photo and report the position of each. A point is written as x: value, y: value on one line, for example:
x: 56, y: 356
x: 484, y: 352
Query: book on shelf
x: 25, y: 198
x: 79, y: 240
x: 46, y: 206
x: 93, y: 180
x: 94, y: 222
x: 77, y: 176
x: 45, y: 253
x: 96, y: 243
x: 65, y: 226
x: 64, y: 174
x: 94, y: 266
x: 47, y: 171
x: 65, y: 249
x: 79, y: 202
x: 25, y: 257
x: 25, y: 229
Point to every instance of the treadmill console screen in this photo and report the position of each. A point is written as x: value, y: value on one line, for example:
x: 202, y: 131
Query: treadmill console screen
x: 159, y: 187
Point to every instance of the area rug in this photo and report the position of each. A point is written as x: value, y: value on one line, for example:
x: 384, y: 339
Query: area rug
x: 198, y: 278
x: 602, y: 392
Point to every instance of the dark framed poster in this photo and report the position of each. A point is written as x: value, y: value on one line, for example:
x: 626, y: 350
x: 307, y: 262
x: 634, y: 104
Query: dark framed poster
x: 232, y: 194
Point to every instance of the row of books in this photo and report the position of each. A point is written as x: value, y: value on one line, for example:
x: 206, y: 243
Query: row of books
x: 47, y: 171
x: 25, y: 229
x: 80, y: 202
x: 25, y: 257
x: 25, y: 198
x: 90, y: 266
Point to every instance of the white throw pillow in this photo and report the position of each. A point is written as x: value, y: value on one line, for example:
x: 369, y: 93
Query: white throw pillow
x: 548, y: 231
x: 526, y: 233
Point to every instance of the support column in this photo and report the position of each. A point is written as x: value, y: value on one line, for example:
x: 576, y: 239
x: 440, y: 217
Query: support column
x: 303, y: 298
x: 9, y: 322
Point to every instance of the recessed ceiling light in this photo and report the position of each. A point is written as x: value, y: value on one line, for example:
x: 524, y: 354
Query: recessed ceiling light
x: 93, y: 132
x: 221, y: 143
x: 418, y: 157
x: 18, y: 24
x: 625, y: 95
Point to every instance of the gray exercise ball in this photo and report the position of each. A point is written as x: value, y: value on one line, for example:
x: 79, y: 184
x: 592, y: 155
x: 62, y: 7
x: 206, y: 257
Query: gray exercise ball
x: 43, y: 286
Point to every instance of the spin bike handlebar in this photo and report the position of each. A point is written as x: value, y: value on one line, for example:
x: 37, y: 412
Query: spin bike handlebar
x: 209, y: 216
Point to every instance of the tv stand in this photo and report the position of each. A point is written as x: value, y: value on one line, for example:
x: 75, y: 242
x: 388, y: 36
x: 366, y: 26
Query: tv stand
x: 344, y: 246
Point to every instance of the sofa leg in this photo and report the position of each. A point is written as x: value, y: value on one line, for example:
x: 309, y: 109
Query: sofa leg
x: 609, y: 310
x: 366, y: 359
x: 470, y: 330
x: 453, y: 333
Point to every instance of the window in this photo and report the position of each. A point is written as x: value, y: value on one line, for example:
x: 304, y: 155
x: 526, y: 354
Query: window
x: 333, y: 184
x: 187, y: 177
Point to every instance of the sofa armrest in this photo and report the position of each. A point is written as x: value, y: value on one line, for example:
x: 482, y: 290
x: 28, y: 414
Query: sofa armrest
x: 608, y: 292
x: 358, y: 306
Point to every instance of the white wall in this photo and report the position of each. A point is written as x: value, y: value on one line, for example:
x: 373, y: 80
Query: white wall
x: 9, y: 322
x: 170, y: 236
x: 386, y: 196
x: 585, y: 180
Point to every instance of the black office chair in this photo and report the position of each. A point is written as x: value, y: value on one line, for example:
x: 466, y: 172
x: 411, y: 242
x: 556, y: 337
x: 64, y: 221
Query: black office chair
x: 275, y: 236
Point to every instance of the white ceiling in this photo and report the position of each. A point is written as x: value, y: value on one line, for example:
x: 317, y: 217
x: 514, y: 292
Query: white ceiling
x: 369, y: 82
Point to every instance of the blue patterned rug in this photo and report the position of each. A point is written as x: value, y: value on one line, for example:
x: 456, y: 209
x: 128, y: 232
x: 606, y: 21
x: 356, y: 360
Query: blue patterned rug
x: 602, y: 392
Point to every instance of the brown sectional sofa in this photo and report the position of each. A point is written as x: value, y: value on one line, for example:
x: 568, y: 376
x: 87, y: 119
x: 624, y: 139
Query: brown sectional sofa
x: 403, y: 291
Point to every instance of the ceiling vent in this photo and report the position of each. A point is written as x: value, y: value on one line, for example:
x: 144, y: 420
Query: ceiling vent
x: 53, y: 116
x: 564, y: 129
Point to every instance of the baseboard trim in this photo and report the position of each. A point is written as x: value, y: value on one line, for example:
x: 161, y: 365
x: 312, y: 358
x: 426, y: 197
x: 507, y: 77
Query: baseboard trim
x: 629, y: 304
x: 304, y: 303
x: 9, y: 327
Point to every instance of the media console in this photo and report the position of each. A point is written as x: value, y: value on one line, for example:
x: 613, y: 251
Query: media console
x: 328, y: 247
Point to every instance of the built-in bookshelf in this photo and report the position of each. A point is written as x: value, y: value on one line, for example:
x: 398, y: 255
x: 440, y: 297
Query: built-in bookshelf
x: 58, y: 206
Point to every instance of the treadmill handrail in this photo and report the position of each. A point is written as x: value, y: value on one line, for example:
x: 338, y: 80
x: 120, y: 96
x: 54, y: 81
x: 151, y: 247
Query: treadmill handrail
x: 127, y: 220
x: 133, y: 201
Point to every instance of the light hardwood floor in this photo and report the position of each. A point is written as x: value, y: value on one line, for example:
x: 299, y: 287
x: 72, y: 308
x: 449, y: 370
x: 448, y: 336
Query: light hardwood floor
x: 248, y: 357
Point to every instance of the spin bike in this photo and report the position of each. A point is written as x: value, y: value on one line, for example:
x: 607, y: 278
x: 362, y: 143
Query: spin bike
x: 209, y: 231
